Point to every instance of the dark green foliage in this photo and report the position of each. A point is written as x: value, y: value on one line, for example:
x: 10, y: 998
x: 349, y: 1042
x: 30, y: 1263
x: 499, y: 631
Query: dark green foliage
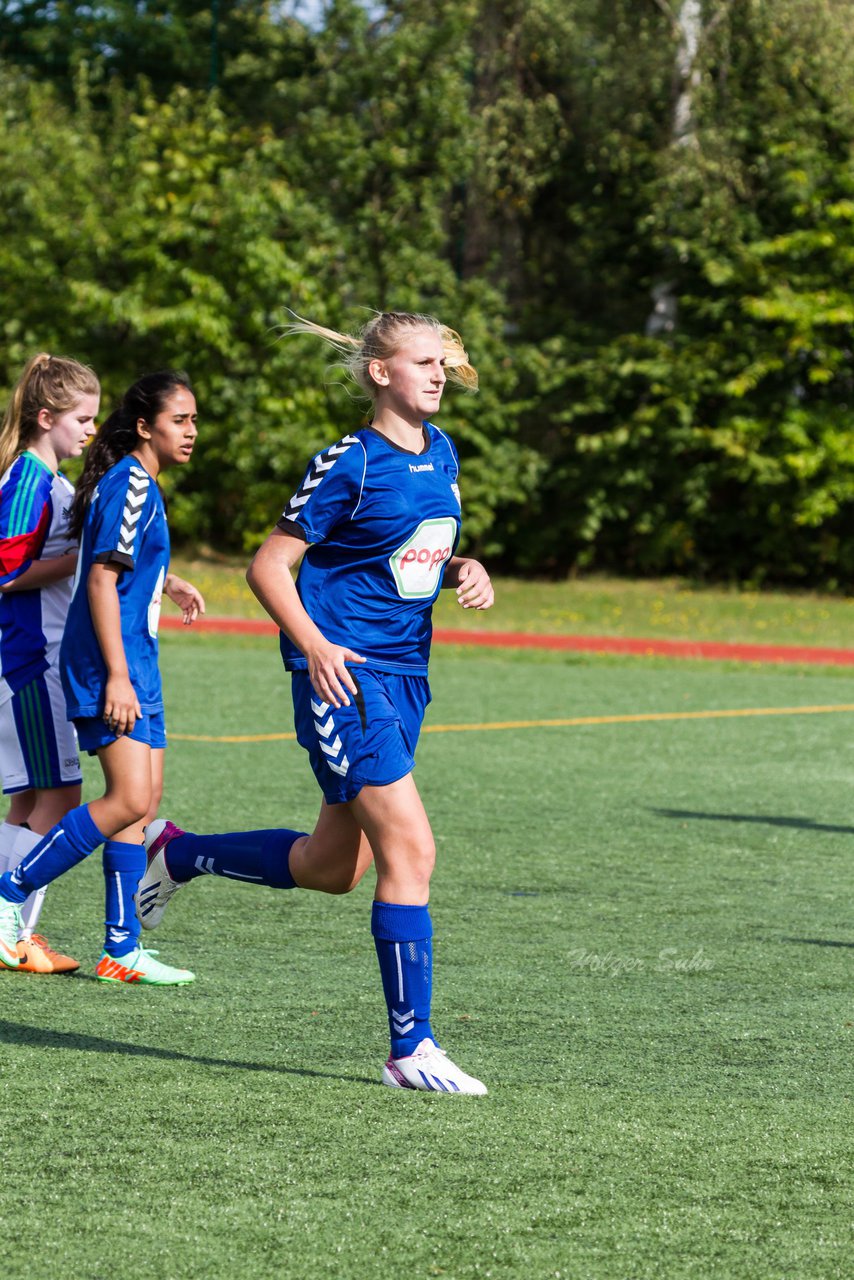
x: 515, y: 168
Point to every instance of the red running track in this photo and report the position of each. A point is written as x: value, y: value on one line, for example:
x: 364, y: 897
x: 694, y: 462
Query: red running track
x: 579, y: 644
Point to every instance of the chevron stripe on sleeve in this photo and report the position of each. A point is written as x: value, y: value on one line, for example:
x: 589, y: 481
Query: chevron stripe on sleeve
x: 137, y: 492
x: 320, y: 467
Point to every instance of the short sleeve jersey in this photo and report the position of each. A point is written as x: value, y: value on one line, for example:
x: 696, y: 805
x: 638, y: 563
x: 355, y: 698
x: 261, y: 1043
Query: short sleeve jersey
x: 382, y: 523
x: 34, y: 509
x: 126, y: 526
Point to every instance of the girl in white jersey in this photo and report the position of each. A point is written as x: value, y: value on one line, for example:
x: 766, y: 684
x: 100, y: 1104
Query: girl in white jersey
x: 375, y: 525
x: 50, y: 418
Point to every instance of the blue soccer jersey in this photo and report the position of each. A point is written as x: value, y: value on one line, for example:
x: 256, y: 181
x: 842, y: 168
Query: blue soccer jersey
x: 34, y: 507
x: 382, y: 524
x: 125, y: 526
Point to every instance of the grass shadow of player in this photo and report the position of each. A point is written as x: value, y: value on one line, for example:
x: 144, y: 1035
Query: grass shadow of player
x: 771, y: 820
x: 46, y: 1038
x: 818, y: 942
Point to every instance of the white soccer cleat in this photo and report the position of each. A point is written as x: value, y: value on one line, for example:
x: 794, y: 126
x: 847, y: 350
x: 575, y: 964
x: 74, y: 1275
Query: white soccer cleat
x: 156, y: 886
x: 429, y: 1068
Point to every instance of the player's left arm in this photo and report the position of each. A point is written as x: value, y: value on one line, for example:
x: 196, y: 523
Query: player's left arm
x: 42, y: 573
x: 472, y: 582
x: 188, y: 598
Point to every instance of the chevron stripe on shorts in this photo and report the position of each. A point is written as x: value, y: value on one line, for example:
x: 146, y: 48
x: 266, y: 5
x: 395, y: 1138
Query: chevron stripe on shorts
x: 137, y: 491
x: 321, y: 464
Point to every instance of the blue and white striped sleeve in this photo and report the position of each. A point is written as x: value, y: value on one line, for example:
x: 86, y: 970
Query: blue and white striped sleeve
x: 329, y: 492
x: 117, y: 516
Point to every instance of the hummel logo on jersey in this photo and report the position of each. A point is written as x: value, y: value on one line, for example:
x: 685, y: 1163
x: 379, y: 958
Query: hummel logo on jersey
x: 320, y: 467
x: 425, y: 466
x: 137, y: 491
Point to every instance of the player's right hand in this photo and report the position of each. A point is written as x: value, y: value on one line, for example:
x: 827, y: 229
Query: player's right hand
x: 121, y: 706
x: 328, y: 673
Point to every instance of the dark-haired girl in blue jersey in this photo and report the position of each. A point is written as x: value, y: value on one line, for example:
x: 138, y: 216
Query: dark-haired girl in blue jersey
x: 108, y: 664
x: 375, y: 524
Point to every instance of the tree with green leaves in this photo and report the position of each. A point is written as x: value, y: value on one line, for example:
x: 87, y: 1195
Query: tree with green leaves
x: 639, y: 215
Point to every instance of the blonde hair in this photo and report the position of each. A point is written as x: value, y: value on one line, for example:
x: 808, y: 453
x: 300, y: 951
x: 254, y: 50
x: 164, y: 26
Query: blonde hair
x: 381, y: 338
x: 55, y: 383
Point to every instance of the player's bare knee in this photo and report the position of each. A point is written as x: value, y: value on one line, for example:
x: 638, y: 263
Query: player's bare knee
x: 421, y: 862
x: 125, y: 810
x: 339, y: 885
x: 340, y: 880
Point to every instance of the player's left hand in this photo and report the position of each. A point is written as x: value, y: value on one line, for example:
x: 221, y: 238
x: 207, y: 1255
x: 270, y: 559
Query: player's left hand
x: 474, y: 588
x: 188, y: 598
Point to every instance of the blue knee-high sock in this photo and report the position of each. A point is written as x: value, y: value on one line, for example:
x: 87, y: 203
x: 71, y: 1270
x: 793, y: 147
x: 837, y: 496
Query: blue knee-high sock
x: 66, y: 844
x: 124, y: 865
x: 258, y: 856
x: 402, y: 936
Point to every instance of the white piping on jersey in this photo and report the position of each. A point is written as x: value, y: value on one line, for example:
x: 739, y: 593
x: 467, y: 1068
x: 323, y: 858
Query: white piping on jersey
x: 365, y: 465
x: 150, y: 518
x: 448, y: 443
x: 364, y: 477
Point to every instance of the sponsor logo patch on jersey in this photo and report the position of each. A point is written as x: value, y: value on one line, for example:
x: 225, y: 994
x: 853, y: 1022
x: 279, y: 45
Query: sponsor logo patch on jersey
x: 416, y: 565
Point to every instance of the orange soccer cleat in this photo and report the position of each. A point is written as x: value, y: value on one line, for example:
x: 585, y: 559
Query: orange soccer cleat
x: 36, y: 955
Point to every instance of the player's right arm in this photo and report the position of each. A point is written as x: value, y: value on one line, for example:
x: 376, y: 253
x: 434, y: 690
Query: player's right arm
x: 121, y: 705
x: 269, y: 575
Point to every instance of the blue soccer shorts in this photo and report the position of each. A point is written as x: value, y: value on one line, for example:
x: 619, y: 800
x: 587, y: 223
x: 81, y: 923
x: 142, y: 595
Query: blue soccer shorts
x: 372, y: 742
x: 94, y: 734
x: 38, y: 745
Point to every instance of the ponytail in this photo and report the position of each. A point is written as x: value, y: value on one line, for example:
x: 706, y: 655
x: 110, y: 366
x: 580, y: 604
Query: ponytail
x: 384, y: 335
x: 55, y: 383
x: 118, y: 436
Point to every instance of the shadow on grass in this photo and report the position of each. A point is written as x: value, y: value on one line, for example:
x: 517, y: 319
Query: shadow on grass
x: 43, y: 1038
x: 800, y: 824
x: 819, y: 942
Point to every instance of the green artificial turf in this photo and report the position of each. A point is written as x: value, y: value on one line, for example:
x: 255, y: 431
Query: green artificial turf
x: 643, y: 946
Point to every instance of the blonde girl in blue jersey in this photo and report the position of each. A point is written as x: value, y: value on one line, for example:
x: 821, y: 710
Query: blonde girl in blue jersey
x: 374, y: 528
x: 50, y: 418
x: 109, y: 670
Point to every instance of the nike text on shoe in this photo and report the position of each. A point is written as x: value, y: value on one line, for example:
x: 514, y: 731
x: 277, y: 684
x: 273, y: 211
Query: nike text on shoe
x: 429, y: 1068
x: 156, y: 886
x: 10, y: 923
x: 36, y: 955
x: 142, y: 967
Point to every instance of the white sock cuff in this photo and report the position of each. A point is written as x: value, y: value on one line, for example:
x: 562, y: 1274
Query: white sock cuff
x: 8, y: 835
